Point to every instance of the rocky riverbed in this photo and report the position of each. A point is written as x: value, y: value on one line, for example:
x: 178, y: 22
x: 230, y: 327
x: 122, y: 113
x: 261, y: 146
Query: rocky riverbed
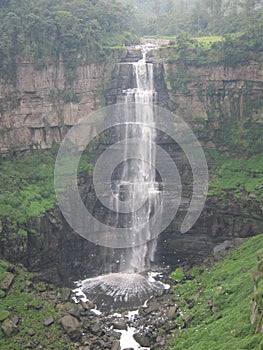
x: 31, y: 310
x: 200, y: 308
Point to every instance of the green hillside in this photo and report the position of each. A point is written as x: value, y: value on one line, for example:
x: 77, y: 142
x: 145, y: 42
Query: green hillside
x: 218, y: 299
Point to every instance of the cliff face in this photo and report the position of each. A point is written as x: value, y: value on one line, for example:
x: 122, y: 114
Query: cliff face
x: 224, y: 106
x: 43, y: 105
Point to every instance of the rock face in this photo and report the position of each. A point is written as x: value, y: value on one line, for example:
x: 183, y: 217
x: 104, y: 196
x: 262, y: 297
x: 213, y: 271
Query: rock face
x: 44, y: 105
x: 59, y: 255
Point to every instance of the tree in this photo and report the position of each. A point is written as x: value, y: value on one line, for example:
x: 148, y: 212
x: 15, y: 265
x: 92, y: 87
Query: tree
x: 249, y: 7
x: 157, y: 7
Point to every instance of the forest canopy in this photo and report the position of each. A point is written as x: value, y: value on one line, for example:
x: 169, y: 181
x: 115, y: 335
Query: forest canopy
x: 80, y: 31
x: 44, y: 30
x: 197, y: 17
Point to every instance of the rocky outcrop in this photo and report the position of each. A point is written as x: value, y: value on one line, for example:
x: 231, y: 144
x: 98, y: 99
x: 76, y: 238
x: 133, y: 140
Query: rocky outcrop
x: 256, y: 304
x: 42, y: 105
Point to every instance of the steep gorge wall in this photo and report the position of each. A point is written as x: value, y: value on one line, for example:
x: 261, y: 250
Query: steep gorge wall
x: 43, y: 105
x: 222, y: 105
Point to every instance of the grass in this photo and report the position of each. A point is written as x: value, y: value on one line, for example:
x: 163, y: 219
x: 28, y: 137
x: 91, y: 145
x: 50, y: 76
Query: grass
x: 207, y: 41
x: 227, y: 288
x: 243, y: 177
x: 27, y: 187
x: 32, y: 308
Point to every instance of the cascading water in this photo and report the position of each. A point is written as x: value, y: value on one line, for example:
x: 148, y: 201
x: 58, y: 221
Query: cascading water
x: 135, y: 186
x: 138, y: 178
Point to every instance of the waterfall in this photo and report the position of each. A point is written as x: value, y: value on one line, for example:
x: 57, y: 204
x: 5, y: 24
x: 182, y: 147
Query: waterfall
x: 138, y: 179
x: 133, y: 183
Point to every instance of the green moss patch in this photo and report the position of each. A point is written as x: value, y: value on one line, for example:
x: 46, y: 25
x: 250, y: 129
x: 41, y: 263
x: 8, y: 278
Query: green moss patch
x: 243, y: 177
x: 27, y: 188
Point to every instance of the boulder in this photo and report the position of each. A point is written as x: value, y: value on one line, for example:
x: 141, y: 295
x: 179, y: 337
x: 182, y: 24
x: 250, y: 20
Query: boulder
x: 172, y: 312
x: 65, y: 294
x: 7, y: 282
x: 152, y: 306
x: 120, y: 324
x: 9, y: 328
x: 31, y: 332
x: 96, y: 329
x: 116, y: 345
x: 72, y: 326
x: 143, y: 339
x: 87, y: 305
x: 14, y: 319
x: 75, y: 311
x: 49, y: 321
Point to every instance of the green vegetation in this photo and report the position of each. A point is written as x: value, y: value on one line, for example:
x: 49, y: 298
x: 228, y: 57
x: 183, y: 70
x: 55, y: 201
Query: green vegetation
x: 46, y: 31
x: 219, y: 299
x: 207, y: 41
x: 197, y: 17
x: 27, y: 188
x: 240, y: 177
x: 177, y: 275
x: 257, y: 301
x: 228, y: 50
x: 32, y: 308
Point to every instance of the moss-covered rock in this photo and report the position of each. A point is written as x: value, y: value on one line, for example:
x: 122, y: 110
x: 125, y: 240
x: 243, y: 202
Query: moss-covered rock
x: 9, y: 328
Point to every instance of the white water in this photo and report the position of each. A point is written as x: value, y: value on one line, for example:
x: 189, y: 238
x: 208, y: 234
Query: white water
x: 137, y: 186
x: 138, y: 181
x: 127, y: 341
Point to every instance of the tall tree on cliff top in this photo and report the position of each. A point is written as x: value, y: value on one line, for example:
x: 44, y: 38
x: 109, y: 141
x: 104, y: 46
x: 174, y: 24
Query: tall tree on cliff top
x: 43, y: 30
x: 250, y: 7
x: 157, y: 7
